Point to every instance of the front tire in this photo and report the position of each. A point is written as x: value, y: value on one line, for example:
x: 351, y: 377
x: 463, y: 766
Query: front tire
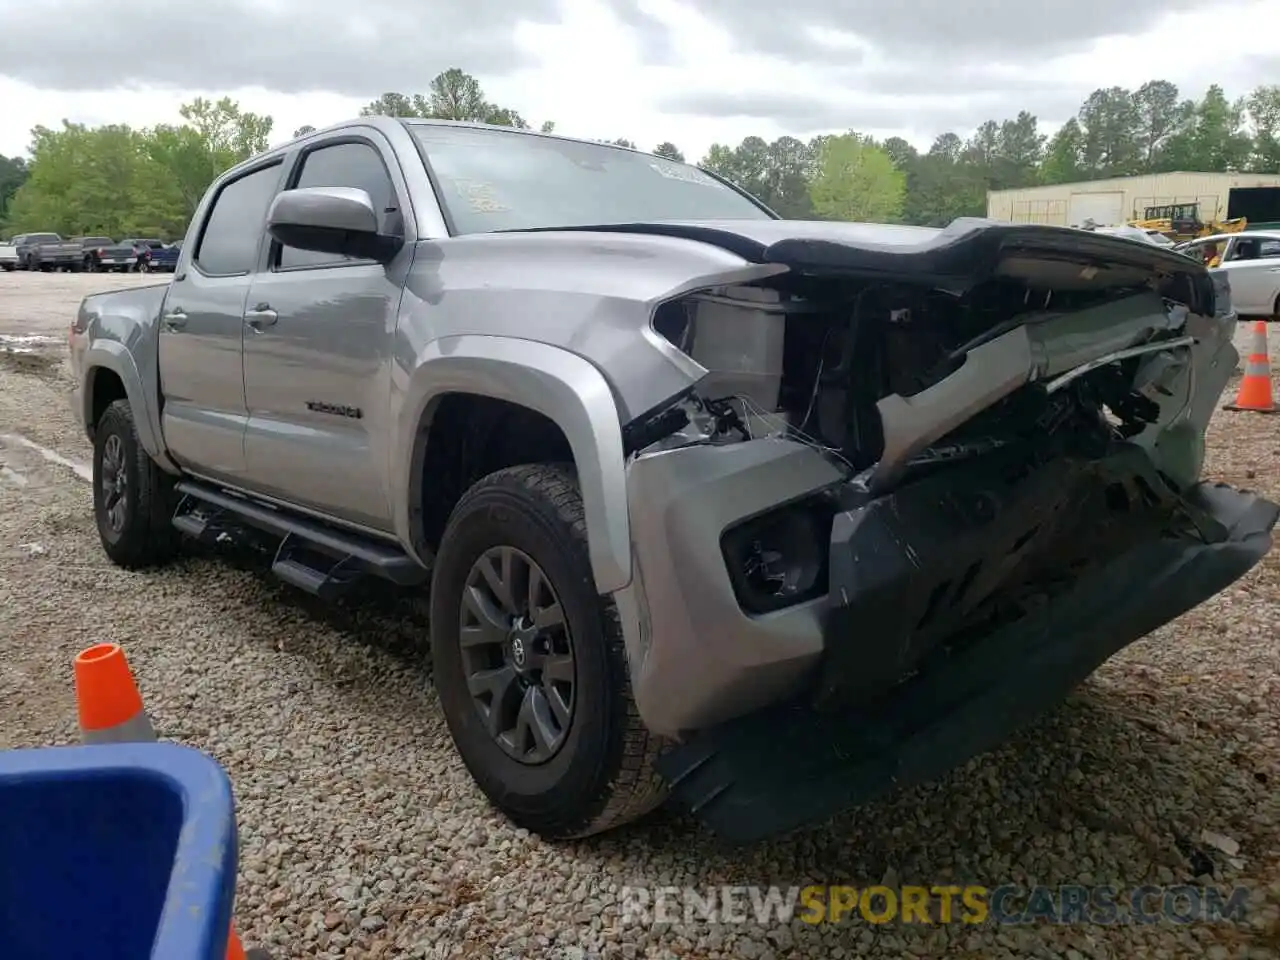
x: 133, y: 498
x: 575, y: 759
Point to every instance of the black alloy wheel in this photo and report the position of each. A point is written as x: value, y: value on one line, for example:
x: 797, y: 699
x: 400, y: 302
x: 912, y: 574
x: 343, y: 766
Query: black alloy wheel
x: 114, y: 480
x: 518, y: 655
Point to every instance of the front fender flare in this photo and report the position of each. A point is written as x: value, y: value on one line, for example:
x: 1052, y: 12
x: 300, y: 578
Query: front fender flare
x: 115, y: 356
x: 561, y: 386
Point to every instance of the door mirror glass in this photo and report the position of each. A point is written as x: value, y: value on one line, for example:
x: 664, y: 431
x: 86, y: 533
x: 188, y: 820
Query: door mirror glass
x: 339, y: 220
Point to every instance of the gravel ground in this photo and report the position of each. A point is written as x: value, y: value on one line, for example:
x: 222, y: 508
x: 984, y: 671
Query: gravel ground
x: 362, y: 835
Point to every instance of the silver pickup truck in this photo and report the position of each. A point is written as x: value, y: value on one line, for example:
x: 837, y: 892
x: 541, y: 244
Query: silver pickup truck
x: 758, y: 515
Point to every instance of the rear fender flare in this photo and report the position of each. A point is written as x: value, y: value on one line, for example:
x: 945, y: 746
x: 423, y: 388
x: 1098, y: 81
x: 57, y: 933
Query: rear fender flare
x: 561, y: 386
x: 114, y: 356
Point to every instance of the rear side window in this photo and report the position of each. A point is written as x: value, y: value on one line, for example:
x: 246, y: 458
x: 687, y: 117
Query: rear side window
x: 229, y: 243
x: 341, y: 165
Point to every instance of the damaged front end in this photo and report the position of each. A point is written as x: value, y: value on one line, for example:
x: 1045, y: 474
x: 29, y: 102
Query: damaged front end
x: 909, y: 508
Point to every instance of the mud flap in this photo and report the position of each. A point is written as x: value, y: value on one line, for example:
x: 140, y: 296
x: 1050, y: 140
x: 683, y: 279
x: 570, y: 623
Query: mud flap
x: 788, y: 766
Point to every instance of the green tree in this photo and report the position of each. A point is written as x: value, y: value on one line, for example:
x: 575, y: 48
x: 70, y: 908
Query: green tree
x: 902, y: 153
x: 99, y: 180
x: 857, y: 181
x: 942, y: 186
x: 1062, y: 160
x: 1263, y: 106
x: 452, y: 95
x: 391, y: 105
x: 776, y: 173
x: 1213, y: 138
x: 1160, y: 115
x: 1019, y: 150
x: 212, y: 138
x: 303, y: 130
x: 13, y: 172
x: 1110, y: 120
x: 669, y: 150
x: 227, y: 130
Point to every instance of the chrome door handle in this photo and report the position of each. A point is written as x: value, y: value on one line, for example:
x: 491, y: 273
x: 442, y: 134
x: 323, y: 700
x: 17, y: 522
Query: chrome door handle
x: 175, y: 320
x: 261, y: 316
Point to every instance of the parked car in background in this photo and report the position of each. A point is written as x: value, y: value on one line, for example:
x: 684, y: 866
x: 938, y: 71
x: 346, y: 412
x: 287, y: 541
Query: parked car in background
x: 47, y: 251
x: 548, y: 377
x: 1251, y: 262
x: 104, y: 254
x: 152, y: 255
x: 8, y: 256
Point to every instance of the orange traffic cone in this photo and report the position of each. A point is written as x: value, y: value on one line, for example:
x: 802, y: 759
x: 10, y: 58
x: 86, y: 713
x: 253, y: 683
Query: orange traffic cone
x: 107, y: 698
x: 1255, y: 389
x: 110, y: 709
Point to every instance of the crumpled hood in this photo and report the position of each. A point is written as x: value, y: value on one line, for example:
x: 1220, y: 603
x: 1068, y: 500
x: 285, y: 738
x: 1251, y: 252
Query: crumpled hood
x: 956, y: 257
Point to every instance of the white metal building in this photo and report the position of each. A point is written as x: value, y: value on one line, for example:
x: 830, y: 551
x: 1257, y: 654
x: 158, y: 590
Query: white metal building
x: 1116, y: 201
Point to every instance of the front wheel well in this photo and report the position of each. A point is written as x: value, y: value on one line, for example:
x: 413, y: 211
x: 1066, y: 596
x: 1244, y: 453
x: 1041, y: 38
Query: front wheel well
x: 471, y: 436
x: 105, y: 388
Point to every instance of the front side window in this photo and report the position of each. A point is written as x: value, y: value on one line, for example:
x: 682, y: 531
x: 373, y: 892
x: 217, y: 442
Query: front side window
x: 234, y: 228
x: 341, y: 165
x: 508, y: 180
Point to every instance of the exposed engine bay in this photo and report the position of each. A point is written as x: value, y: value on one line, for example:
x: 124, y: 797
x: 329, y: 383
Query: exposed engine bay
x: 828, y: 364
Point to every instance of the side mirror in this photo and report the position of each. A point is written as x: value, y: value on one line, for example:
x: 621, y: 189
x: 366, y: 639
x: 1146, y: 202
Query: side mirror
x: 337, y: 220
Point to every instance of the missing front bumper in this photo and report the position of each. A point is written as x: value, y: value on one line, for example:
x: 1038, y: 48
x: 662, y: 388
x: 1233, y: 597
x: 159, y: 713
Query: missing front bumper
x: 787, y: 766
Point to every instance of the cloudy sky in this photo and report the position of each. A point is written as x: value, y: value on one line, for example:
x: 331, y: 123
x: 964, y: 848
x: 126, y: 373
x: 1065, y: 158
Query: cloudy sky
x: 689, y: 71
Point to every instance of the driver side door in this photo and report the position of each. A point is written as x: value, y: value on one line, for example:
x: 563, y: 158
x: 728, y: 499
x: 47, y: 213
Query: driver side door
x: 317, y: 352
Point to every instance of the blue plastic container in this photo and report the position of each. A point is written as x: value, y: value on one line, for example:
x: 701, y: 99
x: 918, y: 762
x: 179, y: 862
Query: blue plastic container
x: 117, y: 852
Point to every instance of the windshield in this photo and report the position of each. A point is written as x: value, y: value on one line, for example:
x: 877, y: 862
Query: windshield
x: 97, y: 241
x: 498, y: 180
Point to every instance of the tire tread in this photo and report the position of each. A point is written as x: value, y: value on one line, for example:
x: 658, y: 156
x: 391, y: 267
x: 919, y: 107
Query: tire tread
x: 635, y: 787
x: 157, y: 540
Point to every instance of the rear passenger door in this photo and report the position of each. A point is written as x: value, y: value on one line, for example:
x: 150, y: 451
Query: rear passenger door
x: 317, y: 365
x: 202, y: 328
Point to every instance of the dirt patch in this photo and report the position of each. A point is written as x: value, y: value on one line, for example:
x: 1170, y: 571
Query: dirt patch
x: 37, y: 363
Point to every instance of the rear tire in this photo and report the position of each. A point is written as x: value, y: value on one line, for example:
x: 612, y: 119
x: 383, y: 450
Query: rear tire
x: 601, y: 774
x: 133, y: 499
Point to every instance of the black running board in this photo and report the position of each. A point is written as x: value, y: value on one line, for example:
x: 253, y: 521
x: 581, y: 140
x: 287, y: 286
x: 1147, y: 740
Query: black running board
x: 312, y: 556
x: 788, y: 766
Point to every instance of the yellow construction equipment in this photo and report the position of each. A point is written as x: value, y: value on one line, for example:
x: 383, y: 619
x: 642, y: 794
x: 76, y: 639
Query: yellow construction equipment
x: 1181, y: 221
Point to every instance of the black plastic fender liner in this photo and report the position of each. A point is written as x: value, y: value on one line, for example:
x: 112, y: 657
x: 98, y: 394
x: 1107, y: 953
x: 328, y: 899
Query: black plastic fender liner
x: 787, y: 767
